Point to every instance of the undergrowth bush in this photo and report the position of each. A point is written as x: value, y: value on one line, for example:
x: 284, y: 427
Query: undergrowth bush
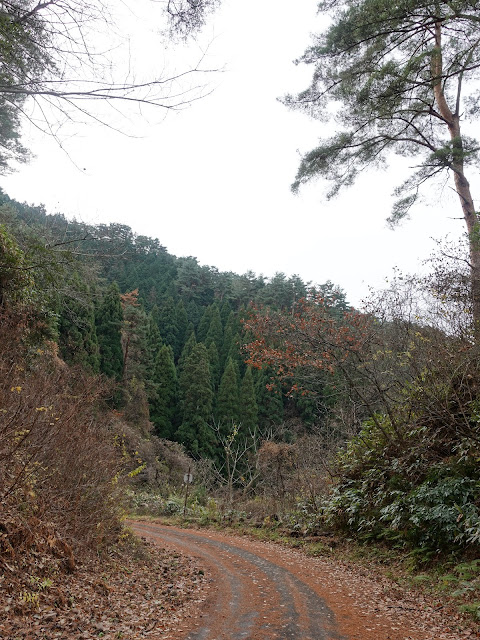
x: 418, y: 486
x: 410, y: 476
x: 59, y: 474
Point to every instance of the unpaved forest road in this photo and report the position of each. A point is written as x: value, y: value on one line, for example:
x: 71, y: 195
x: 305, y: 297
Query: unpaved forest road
x: 261, y: 591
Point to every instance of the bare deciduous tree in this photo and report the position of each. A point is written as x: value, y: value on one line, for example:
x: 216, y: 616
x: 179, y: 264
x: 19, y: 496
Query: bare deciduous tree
x: 57, y: 57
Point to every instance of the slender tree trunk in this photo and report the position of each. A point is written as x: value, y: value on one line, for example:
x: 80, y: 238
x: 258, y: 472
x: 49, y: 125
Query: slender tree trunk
x: 462, y: 186
x: 471, y: 219
x: 125, y: 358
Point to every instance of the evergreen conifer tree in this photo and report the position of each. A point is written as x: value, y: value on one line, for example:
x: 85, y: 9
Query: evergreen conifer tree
x: 109, y: 317
x: 215, y: 329
x: 227, y: 410
x: 77, y: 335
x: 204, y: 325
x: 194, y: 313
x: 135, y: 337
x: 196, y: 403
x: 214, y: 362
x: 235, y: 355
x: 155, y: 316
x: 181, y: 321
x: 226, y: 346
x: 153, y: 346
x: 269, y: 399
x: 153, y: 337
x: 248, y: 404
x: 167, y: 322
x: 225, y: 311
x: 232, y: 328
x: 163, y: 400
x: 186, y: 351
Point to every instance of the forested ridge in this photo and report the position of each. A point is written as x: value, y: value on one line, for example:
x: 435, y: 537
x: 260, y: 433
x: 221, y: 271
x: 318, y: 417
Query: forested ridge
x: 260, y: 381
x: 167, y: 330
x: 294, y: 412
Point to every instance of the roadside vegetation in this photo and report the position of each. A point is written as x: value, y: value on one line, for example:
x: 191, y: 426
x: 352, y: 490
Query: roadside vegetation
x: 341, y: 431
x: 345, y: 432
x: 68, y: 565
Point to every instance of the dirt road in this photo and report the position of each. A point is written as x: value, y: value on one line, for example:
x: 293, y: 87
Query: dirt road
x: 261, y: 591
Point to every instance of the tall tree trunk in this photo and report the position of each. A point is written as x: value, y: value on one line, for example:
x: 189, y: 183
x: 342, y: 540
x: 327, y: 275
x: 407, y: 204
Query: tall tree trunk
x: 471, y: 219
x: 462, y: 186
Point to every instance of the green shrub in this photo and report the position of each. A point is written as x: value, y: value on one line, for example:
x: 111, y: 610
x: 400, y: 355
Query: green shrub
x: 390, y: 489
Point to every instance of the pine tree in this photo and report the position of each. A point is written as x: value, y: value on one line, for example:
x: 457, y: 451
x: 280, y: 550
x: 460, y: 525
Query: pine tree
x: 194, y: 282
x: 397, y: 77
x: 227, y: 410
x: 163, y: 398
x: 196, y: 397
x: 278, y: 293
x: 109, y: 319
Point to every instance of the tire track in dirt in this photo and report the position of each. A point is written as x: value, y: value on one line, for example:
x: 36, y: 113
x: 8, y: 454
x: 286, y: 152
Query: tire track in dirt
x: 263, y: 591
x: 255, y: 598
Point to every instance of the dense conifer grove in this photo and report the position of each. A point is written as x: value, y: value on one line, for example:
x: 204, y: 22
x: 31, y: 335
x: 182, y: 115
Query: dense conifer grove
x: 165, y: 329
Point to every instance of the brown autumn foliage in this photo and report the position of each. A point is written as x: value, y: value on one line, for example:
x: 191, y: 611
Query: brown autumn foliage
x: 310, y: 338
x: 66, y: 563
x: 277, y: 462
x: 413, y: 339
x: 58, y: 465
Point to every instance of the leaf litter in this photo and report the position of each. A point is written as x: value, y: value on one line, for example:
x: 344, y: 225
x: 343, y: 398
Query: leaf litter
x: 126, y: 596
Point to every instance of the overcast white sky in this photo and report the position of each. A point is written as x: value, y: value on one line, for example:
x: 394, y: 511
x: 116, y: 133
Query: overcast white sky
x: 213, y: 180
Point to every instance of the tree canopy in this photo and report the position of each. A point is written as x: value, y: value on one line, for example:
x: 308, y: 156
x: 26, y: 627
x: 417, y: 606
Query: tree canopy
x: 397, y: 77
x: 60, y: 56
x: 398, y: 72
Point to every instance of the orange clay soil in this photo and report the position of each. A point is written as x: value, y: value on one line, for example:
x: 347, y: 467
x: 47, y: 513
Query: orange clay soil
x: 258, y: 591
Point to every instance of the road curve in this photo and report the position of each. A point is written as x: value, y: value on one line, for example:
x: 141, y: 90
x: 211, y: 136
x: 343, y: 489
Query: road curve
x: 255, y: 598
x: 262, y: 591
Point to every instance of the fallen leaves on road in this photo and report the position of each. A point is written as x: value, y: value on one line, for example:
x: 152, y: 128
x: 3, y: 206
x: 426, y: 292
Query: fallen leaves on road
x: 146, y: 592
x: 129, y: 595
x: 369, y: 594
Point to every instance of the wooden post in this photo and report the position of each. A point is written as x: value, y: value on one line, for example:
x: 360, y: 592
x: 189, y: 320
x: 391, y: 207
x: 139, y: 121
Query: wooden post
x: 186, y: 492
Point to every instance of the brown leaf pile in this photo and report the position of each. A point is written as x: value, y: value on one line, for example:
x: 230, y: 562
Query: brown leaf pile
x: 129, y: 595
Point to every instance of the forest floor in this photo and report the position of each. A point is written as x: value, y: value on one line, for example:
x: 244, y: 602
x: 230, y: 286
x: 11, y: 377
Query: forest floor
x: 134, y: 593
x: 208, y: 585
